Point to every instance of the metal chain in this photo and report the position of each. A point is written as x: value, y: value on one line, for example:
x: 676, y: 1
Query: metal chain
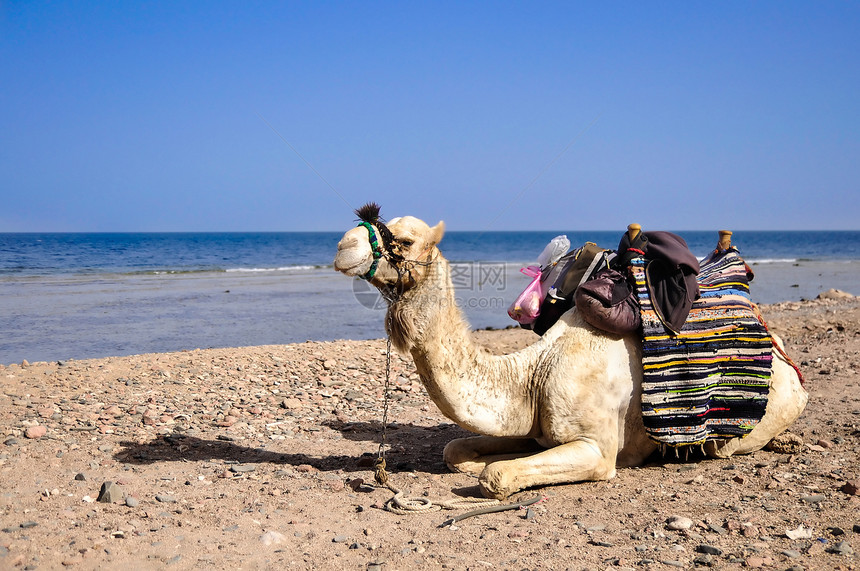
x: 380, y: 475
x: 386, y: 389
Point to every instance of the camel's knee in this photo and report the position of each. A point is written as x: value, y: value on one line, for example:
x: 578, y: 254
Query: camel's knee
x: 459, y: 456
x: 456, y: 452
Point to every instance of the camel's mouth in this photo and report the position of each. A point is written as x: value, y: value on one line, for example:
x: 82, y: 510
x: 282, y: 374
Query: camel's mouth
x: 351, y: 265
x: 354, y: 255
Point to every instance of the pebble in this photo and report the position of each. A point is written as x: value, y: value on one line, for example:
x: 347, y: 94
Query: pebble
x: 678, y: 523
x: 25, y: 525
x: 813, y: 498
x: 273, y: 538
x: 340, y: 539
x: 80, y: 477
x: 709, y: 549
x: 132, y: 502
x: 165, y: 498
x: 291, y: 403
x: 799, y: 533
x: 757, y: 561
x: 242, y: 468
x: 841, y: 548
x: 35, y: 432
x: 109, y: 493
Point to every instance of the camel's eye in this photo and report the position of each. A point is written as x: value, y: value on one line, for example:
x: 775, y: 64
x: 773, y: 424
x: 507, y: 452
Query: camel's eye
x: 406, y: 243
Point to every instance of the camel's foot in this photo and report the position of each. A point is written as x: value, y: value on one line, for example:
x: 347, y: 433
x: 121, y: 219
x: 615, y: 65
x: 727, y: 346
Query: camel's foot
x: 496, y: 483
x: 785, y: 443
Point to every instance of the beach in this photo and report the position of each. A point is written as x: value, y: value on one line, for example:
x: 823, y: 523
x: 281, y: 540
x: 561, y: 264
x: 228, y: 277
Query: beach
x: 260, y: 457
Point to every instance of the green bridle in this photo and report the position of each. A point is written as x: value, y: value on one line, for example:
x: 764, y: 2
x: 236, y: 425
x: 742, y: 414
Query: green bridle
x: 375, y: 248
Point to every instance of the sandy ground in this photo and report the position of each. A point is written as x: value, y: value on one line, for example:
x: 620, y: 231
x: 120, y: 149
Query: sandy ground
x: 260, y: 457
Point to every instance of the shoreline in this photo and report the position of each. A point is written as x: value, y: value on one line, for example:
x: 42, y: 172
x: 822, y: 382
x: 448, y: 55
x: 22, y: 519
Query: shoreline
x: 511, y: 336
x: 52, y: 320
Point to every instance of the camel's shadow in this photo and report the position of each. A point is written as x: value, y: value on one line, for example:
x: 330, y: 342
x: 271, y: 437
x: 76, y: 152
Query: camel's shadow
x: 411, y: 448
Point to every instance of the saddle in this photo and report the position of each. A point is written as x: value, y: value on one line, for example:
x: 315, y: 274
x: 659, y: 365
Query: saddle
x: 706, y: 353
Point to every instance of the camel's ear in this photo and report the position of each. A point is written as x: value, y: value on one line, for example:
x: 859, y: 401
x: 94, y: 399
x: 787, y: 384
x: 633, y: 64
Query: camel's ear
x: 437, y: 232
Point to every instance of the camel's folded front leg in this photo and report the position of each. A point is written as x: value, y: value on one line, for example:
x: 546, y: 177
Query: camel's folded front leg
x: 471, y: 455
x: 572, y: 462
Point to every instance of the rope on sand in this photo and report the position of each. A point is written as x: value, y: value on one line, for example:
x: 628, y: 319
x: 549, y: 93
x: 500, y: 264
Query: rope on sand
x: 401, y: 505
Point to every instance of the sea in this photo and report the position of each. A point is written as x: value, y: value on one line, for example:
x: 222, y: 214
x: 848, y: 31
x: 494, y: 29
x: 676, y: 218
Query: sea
x: 86, y: 295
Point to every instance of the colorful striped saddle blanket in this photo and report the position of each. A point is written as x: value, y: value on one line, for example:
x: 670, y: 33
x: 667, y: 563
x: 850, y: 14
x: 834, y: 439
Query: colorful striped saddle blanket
x: 710, y: 381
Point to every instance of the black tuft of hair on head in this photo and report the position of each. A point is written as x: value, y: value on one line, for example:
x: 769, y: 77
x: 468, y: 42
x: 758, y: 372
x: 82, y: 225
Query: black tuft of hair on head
x: 369, y: 213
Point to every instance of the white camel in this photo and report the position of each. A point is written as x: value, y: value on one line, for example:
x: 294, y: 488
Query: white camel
x: 565, y: 409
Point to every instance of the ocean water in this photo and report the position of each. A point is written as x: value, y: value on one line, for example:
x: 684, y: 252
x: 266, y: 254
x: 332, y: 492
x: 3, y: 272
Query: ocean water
x: 75, y: 296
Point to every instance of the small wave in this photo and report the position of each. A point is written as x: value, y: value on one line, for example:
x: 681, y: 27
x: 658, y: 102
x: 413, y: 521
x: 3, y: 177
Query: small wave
x: 280, y: 269
x: 168, y: 272
x: 774, y: 261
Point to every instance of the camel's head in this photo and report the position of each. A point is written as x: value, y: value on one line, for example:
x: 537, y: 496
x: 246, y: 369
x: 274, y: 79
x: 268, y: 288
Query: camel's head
x: 393, y: 255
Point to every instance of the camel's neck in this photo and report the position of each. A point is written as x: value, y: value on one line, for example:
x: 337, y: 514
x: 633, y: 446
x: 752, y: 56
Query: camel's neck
x: 471, y: 387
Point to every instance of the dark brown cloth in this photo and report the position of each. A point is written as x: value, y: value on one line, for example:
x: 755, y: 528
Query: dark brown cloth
x: 670, y: 273
x: 671, y: 277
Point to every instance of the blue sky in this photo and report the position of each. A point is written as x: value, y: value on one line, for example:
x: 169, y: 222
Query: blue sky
x: 173, y: 116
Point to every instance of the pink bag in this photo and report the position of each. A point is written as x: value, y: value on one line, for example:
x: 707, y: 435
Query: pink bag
x: 526, y: 308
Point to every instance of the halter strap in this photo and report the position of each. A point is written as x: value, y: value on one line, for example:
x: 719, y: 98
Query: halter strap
x: 375, y: 248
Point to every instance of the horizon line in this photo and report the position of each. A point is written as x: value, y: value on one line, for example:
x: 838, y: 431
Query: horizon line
x: 448, y: 231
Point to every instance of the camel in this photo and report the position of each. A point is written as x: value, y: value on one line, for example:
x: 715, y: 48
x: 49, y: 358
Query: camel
x: 564, y: 409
